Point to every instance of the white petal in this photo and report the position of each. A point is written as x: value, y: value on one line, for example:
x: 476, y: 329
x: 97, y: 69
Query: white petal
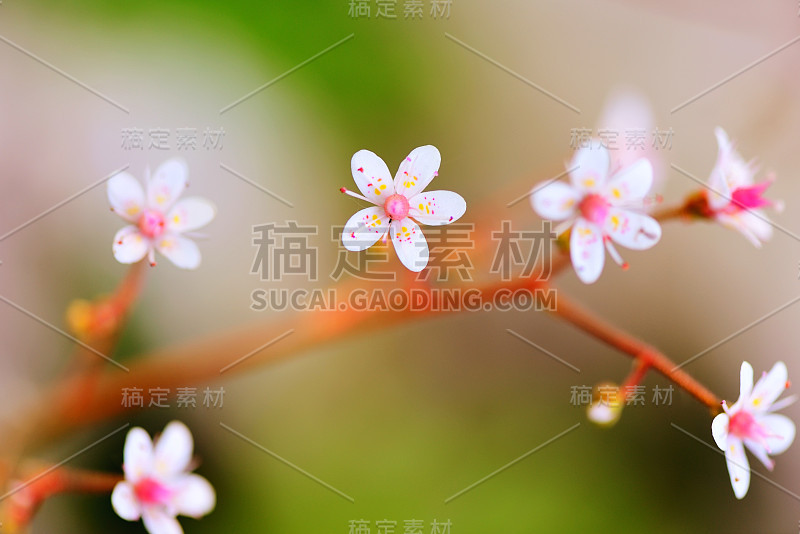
x: 586, y: 251
x: 757, y: 223
x: 410, y: 244
x: 758, y: 450
x: 129, y: 245
x: 125, y: 503
x: 768, y: 388
x: 745, y: 381
x: 780, y: 432
x: 137, y: 455
x: 631, y: 183
x: 195, y: 497
x: 179, y: 250
x: 190, y: 214
x: 738, y: 466
x: 437, y: 207
x: 156, y: 521
x: 167, y: 184
x: 173, y: 449
x: 719, y: 429
x: 592, y: 167
x: 126, y: 196
x: 555, y: 201
x: 364, y: 228
x: 632, y: 230
x: 417, y: 170
x: 372, y: 176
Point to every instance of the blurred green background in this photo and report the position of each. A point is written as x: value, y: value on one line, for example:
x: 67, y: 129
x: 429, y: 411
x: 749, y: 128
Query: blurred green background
x: 397, y: 429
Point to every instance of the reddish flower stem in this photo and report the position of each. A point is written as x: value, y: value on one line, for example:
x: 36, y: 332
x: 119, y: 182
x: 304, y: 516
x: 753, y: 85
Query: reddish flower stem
x: 646, y: 355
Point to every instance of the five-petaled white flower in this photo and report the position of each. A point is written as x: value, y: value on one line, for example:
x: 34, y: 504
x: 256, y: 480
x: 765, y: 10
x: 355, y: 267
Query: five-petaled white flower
x: 598, y: 208
x: 751, y: 422
x: 157, y: 220
x: 157, y: 484
x: 734, y: 199
x: 399, y: 203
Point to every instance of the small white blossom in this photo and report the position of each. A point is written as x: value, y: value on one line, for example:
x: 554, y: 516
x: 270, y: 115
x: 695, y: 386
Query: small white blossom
x: 751, y: 423
x: 157, y: 220
x: 158, y: 485
x: 399, y: 204
x: 600, y: 209
x: 735, y: 199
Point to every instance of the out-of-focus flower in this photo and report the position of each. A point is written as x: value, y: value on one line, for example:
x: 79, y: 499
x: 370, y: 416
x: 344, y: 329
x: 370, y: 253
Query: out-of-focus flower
x: 751, y: 423
x: 158, y: 485
x: 599, y: 209
x: 734, y: 198
x: 606, y: 407
x: 157, y: 220
x: 399, y: 204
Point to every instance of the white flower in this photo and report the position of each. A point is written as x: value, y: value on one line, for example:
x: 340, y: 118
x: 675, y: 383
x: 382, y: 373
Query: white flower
x: 597, y: 207
x: 157, y: 220
x: 399, y: 203
x: 751, y: 422
x: 157, y: 484
x: 734, y: 198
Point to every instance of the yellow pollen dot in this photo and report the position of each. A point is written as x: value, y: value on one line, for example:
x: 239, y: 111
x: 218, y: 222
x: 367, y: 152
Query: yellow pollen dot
x: 132, y: 210
x: 405, y: 229
x: 383, y: 186
x: 589, y: 182
x: 421, y: 207
x: 616, y: 193
x: 377, y: 191
x: 374, y: 216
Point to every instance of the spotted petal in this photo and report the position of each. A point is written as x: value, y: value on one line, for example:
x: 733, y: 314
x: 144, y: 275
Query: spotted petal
x: 137, y: 455
x: 586, y: 250
x: 167, y: 184
x: 436, y: 208
x: 364, y: 228
x: 179, y: 250
x: 632, y: 230
x: 555, y: 200
x: 130, y: 245
x: 190, y: 214
x: 630, y: 184
x: 372, y: 176
x: 125, y: 503
x: 589, y: 168
x: 738, y: 466
x: 126, y: 196
x: 195, y: 497
x: 417, y: 170
x: 410, y: 244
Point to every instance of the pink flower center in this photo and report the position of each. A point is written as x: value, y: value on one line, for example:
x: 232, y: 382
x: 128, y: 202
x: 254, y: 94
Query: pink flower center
x: 396, y: 207
x: 750, y: 197
x: 594, y: 208
x: 151, y: 224
x: 150, y: 491
x: 744, y: 426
